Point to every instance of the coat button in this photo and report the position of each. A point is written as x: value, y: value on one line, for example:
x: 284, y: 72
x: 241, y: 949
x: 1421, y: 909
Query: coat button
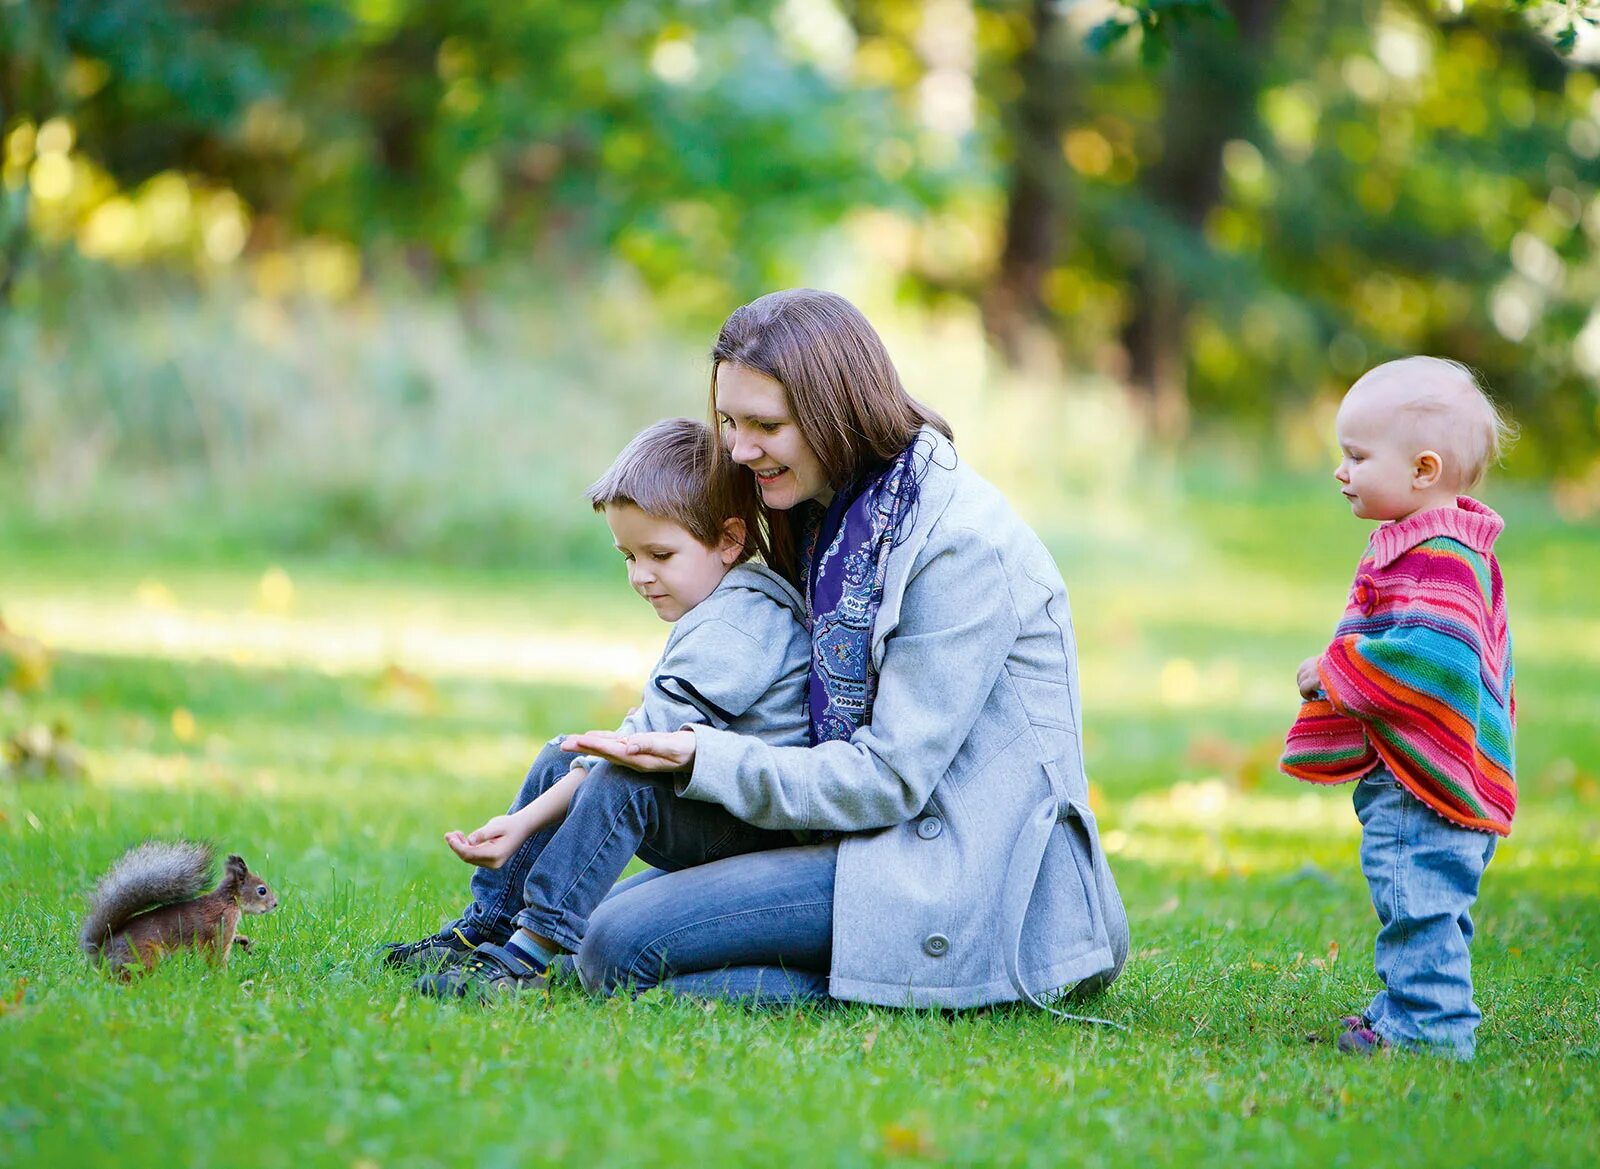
x: 929, y: 826
x: 936, y: 945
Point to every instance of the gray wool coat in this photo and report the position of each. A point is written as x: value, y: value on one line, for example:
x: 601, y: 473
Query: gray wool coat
x: 972, y: 870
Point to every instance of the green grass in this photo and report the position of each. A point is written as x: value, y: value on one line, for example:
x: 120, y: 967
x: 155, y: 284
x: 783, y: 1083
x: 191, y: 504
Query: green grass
x: 1250, y: 922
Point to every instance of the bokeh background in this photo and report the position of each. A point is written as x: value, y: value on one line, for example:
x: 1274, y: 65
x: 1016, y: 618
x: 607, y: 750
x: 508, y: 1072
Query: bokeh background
x: 397, y: 276
x: 317, y: 317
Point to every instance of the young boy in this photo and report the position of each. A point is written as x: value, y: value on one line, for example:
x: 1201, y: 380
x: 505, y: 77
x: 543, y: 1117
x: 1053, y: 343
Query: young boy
x: 737, y: 658
x: 1414, y: 696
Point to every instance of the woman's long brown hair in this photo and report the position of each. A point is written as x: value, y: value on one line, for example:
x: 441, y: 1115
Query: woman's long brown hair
x: 842, y: 387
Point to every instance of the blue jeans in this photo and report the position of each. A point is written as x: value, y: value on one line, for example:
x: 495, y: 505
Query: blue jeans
x: 1424, y: 873
x: 757, y: 927
x: 720, y: 913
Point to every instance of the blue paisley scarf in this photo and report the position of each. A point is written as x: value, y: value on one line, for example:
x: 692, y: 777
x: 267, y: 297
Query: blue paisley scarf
x: 845, y: 558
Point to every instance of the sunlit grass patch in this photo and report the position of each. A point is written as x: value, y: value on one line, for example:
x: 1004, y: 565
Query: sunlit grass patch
x: 336, y: 776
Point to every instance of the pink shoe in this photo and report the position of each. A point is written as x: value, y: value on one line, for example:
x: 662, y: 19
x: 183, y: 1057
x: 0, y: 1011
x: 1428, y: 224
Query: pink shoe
x: 1362, y: 1040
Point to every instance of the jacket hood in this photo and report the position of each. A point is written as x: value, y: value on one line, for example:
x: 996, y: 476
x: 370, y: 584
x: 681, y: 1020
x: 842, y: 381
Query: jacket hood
x: 758, y: 578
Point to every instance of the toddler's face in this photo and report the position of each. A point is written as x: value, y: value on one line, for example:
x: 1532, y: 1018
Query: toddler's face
x: 1377, y: 472
x: 667, y: 566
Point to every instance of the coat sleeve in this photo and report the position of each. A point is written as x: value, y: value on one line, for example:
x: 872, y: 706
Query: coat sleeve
x: 957, y: 627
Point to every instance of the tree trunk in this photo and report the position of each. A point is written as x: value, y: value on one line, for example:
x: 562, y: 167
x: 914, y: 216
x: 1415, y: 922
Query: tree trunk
x: 1215, y: 75
x: 1014, y: 311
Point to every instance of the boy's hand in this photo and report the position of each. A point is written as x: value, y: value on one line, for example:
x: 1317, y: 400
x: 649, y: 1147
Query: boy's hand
x: 1310, y: 684
x: 488, y: 847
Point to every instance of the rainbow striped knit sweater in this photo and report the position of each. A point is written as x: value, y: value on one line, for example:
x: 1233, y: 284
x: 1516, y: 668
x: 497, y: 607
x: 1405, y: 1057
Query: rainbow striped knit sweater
x: 1418, y: 676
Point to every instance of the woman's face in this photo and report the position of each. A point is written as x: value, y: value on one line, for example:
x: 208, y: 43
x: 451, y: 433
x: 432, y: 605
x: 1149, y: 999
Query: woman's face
x: 761, y: 433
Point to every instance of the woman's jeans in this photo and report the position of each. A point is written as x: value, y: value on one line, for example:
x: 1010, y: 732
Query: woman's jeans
x: 728, y: 910
x: 1424, y: 873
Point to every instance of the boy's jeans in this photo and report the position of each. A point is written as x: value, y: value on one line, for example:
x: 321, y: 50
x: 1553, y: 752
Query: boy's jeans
x: 1424, y: 873
x: 557, y: 878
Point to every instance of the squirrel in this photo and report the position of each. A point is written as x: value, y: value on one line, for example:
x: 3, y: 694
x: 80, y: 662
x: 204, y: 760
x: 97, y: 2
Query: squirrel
x: 150, y: 903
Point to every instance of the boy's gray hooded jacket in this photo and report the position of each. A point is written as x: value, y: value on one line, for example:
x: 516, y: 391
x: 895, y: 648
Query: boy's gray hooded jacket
x: 973, y: 871
x: 738, y: 661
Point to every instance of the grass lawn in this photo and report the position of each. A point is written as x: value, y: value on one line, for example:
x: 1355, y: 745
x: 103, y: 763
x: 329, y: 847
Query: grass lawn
x: 332, y: 720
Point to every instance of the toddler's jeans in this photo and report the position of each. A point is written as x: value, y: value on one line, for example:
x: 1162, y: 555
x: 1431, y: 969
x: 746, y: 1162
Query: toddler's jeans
x: 1423, y: 872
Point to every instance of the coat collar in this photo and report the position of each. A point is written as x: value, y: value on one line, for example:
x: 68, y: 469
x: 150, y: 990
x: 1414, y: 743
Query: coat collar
x: 1474, y: 524
x: 937, y: 463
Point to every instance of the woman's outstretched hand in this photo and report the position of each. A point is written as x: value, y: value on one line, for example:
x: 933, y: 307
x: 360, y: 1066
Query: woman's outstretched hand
x: 645, y: 751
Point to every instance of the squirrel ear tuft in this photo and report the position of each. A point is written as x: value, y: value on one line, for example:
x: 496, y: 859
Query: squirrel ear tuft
x: 237, y: 866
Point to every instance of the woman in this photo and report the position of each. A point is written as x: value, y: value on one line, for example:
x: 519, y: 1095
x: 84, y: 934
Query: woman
x: 953, y: 857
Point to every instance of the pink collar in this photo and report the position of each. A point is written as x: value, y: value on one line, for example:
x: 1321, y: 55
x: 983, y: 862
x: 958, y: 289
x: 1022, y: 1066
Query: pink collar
x: 1474, y: 524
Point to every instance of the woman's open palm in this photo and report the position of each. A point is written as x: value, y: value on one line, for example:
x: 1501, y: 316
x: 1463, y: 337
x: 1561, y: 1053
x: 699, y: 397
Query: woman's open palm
x: 645, y: 751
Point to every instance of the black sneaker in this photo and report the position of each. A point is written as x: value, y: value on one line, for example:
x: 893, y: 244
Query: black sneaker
x: 490, y: 973
x: 449, y: 946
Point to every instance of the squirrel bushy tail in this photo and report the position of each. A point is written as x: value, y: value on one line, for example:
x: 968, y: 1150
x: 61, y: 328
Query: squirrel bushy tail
x: 148, y: 875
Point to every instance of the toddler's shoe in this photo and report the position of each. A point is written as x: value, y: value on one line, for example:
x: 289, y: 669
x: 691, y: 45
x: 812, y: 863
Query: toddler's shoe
x: 490, y: 972
x: 448, y: 947
x: 1362, y: 1040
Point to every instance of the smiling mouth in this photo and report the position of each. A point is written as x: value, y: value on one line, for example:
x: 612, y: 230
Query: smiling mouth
x: 769, y: 476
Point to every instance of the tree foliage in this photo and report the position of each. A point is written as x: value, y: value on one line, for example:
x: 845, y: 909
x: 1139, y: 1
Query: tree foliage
x: 1233, y: 205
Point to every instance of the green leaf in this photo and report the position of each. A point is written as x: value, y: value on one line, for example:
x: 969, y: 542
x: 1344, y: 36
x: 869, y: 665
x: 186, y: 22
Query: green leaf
x: 1106, y: 34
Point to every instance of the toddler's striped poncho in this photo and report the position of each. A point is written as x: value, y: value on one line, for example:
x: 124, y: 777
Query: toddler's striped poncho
x: 1419, y: 673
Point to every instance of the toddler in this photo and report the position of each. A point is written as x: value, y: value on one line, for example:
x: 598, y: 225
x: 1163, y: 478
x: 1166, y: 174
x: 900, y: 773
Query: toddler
x: 1413, y: 698
x: 738, y: 658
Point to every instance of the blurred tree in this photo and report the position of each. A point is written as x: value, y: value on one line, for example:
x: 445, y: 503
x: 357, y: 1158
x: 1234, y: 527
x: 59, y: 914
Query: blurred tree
x: 702, y: 141
x: 1037, y: 205
x: 1344, y: 182
x: 1235, y: 213
x: 1213, y: 79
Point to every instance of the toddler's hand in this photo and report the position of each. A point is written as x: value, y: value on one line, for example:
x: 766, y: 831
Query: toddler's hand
x: 1306, y: 677
x: 488, y: 847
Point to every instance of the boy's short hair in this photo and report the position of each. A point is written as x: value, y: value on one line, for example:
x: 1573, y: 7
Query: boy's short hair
x: 668, y: 471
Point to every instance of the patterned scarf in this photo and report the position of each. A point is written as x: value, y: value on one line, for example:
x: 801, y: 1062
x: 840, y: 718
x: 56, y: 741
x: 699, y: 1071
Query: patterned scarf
x: 844, y: 561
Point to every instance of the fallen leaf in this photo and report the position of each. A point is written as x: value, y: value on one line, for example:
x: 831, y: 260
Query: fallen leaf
x: 39, y: 752
x: 13, y: 1001
x: 901, y: 1140
x: 24, y: 662
x: 152, y: 594
x: 275, y: 592
x: 407, y: 690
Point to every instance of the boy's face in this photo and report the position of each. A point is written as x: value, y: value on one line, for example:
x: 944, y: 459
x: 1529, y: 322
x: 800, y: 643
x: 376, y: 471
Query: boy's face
x: 666, y: 565
x: 1379, y: 470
